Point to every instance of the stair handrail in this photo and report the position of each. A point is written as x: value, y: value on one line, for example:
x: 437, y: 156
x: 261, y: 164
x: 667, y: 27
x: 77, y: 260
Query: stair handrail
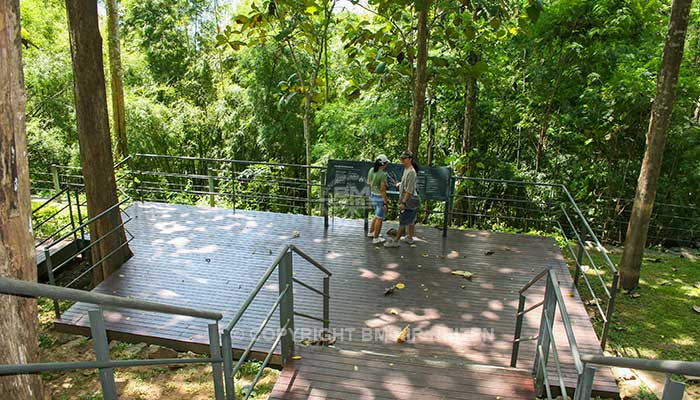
x: 583, y: 363
x: 285, y: 303
x: 99, y: 335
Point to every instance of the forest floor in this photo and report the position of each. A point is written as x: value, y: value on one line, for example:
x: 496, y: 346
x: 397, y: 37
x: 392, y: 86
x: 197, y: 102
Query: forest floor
x: 656, y: 321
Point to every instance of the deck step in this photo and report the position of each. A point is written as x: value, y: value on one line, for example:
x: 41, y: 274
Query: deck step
x: 329, y: 373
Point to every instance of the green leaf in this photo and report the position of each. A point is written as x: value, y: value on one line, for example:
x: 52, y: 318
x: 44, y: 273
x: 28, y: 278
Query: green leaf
x: 589, y: 141
x: 311, y: 10
x: 381, y: 67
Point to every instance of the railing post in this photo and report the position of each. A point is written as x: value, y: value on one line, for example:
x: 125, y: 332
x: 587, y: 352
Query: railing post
x: 72, y: 220
x: 548, y: 311
x: 228, y: 365
x: 212, y: 198
x: 609, y: 311
x: 80, y: 215
x: 584, y: 384
x: 56, y: 179
x: 287, y: 305
x: 518, y: 330
x: 101, y: 345
x: 326, y: 303
x: 324, y: 194
x: 215, y: 353
x: 673, y: 390
x: 52, y: 280
x: 579, y: 256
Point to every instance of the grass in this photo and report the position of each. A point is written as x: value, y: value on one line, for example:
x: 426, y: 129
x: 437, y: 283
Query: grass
x: 657, y: 320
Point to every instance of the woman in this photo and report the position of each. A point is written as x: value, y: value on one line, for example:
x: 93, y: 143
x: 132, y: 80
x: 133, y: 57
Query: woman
x: 408, y: 200
x: 376, y: 180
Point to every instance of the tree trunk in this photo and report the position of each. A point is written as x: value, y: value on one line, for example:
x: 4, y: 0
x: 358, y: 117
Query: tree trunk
x: 421, y: 81
x: 307, y: 148
x: 93, y: 137
x: 631, y: 263
x: 470, y: 99
x: 115, y: 72
x: 18, y: 341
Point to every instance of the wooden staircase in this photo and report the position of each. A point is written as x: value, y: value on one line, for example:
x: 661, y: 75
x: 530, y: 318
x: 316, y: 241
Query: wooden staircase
x: 324, y: 373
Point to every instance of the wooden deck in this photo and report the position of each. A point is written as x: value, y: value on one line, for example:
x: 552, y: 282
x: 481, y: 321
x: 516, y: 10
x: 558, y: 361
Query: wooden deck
x: 212, y: 258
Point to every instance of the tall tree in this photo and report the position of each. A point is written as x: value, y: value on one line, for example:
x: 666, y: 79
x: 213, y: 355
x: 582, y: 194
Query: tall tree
x: 301, y: 30
x: 94, y: 138
x: 18, y: 341
x: 421, y: 80
x: 661, y: 110
x: 115, y: 72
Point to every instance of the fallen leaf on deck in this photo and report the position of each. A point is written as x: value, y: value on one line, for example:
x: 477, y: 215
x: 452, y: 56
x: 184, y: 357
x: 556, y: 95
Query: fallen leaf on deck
x: 393, y: 312
x: 393, y: 288
x: 488, y: 252
x: 403, y: 336
x: 296, y: 234
x: 462, y: 286
x: 591, y: 302
x: 296, y: 357
x: 463, y: 274
x: 696, y: 309
x: 425, y: 255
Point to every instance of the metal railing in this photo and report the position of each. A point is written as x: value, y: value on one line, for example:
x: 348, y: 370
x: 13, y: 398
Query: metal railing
x: 236, y: 184
x: 583, y: 363
x: 71, y: 207
x: 99, y: 334
x: 285, y: 304
x: 484, y: 202
x: 81, y: 229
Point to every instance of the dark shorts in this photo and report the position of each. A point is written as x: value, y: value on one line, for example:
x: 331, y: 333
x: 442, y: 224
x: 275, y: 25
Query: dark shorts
x: 408, y: 216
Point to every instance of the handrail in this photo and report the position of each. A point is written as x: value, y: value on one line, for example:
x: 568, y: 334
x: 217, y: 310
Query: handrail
x: 247, y: 162
x: 310, y: 260
x: 51, y: 199
x: 98, y: 332
x: 284, y: 304
x: 32, y: 289
x: 665, y: 366
x: 546, y: 340
x: 91, y: 220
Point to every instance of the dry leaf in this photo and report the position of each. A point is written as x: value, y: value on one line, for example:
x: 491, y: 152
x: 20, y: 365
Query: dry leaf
x: 488, y: 252
x: 696, y: 309
x: 463, y: 274
x: 635, y: 295
x: 393, y: 288
x: 296, y: 357
x: 403, y: 336
x: 393, y: 312
x: 664, y: 283
x: 696, y: 285
x: 296, y: 234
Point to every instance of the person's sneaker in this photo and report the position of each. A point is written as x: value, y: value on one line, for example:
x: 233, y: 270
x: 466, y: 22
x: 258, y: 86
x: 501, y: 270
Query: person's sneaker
x: 378, y: 240
x: 407, y: 239
x: 370, y: 234
x: 391, y: 243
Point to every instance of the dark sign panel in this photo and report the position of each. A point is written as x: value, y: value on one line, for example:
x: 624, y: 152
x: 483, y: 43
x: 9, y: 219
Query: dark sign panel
x: 349, y: 178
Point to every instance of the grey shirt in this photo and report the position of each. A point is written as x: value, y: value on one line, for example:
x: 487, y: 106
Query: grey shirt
x: 408, y: 182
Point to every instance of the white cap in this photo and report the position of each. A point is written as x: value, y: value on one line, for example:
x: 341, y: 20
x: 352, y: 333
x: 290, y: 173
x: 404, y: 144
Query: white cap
x: 383, y: 159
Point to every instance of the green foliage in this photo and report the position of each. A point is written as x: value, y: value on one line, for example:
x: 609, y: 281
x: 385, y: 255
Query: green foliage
x: 563, y: 88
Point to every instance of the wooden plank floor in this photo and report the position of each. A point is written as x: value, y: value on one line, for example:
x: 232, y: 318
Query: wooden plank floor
x: 212, y: 258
